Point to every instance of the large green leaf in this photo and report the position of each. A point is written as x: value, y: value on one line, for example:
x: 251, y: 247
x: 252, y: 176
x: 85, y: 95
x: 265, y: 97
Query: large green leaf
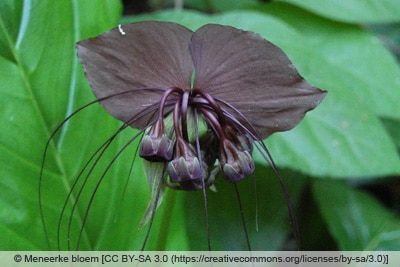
x: 370, y: 11
x: 355, y: 219
x: 342, y: 140
x: 39, y: 86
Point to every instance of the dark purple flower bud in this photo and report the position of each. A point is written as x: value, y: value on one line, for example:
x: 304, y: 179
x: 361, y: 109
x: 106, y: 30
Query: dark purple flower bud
x: 208, y: 151
x: 185, y: 166
x: 235, y: 163
x: 155, y: 145
x: 181, y: 169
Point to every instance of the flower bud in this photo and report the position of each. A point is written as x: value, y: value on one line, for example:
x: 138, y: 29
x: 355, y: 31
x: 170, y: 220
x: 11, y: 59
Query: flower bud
x: 185, y: 166
x: 235, y: 164
x: 182, y: 169
x: 156, y: 146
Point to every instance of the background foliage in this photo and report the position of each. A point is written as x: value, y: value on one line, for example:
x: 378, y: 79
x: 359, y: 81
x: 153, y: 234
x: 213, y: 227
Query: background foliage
x: 341, y: 164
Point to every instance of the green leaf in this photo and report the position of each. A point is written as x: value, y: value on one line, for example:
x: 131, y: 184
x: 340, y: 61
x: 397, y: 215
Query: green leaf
x: 358, y: 11
x: 218, y: 5
x: 38, y: 70
x: 389, y: 34
x: 314, y: 234
x: 9, y: 26
x: 207, y: 6
x: 338, y: 140
x: 355, y: 219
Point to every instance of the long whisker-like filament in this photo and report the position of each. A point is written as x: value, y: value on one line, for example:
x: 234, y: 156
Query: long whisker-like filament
x: 196, y: 129
x: 127, y: 181
x: 90, y: 202
x: 101, y: 150
x: 43, y: 165
x: 150, y: 109
x: 256, y: 200
x: 47, y: 146
x: 249, y: 127
x: 261, y: 147
x: 242, y: 216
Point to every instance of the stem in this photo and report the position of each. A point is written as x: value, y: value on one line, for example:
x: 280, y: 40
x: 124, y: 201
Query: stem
x: 164, y: 99
x: 212, y: 103
x: 214, y: 123
x: 176, y: 120
x: 184, y: 108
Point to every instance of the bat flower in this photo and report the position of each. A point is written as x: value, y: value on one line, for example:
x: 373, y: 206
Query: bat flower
x: 202, y: 99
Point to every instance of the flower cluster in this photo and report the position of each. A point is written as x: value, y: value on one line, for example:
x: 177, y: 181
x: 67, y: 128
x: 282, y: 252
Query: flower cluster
x: 169, y: 82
